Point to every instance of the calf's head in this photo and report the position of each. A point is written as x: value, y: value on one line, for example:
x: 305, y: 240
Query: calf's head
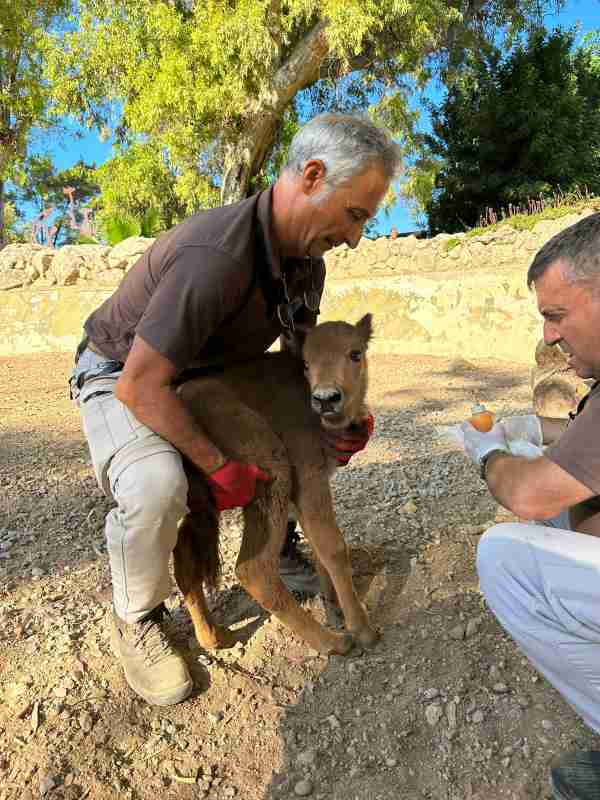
x: 335, y: 365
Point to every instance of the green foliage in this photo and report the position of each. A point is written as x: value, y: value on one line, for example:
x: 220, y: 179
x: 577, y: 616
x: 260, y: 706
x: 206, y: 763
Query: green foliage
x: 115, y: 229
x: 209, y: 84
x: 24, y: 91
x: 39, y: 183
x: 450, y: 244
x: 513, y: 127
x: 13, y: 228
x: 139, y: 178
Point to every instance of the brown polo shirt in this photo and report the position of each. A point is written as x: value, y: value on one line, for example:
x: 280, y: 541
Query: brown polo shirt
x: 206, y: 292
x: 578, y: 449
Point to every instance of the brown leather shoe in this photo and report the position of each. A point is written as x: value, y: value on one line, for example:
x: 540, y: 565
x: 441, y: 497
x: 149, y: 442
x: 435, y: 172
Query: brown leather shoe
x: 153, y: 669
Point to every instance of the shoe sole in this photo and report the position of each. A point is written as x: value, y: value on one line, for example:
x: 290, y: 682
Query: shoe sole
x: 173, y: 697
x: 576, y: 776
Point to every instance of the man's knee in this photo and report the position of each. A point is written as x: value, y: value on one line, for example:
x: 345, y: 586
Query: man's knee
x: 156, y: 485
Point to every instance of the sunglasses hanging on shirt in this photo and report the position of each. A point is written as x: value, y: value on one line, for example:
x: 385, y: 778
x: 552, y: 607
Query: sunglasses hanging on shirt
x: 287, y: 310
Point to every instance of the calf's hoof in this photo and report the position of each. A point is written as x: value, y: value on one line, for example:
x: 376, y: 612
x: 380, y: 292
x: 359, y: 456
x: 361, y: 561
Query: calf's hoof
x: 367, y: 636
x: 341, y: 644
x: 219, y: 638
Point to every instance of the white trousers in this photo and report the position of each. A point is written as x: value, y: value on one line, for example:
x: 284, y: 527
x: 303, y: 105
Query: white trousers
x: 145, y: 476
x: 543, y: 584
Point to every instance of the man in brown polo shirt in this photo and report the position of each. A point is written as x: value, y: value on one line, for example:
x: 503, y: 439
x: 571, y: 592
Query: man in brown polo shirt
x: 219, y: 288
x: 542, y: 579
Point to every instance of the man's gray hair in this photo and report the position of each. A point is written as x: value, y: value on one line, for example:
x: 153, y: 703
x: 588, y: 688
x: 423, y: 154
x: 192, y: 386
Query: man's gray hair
x: 347, y: 145
x: 578, y: 247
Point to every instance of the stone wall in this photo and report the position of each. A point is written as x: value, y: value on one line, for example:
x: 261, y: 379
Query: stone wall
x: 455, y: 296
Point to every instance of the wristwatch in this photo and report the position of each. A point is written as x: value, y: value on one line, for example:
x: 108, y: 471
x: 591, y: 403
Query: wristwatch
x: 484, y: 461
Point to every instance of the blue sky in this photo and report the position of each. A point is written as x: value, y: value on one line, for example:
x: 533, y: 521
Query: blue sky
x: 90, y: 148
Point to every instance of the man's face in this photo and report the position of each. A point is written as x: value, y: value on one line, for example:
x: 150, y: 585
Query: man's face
x: 338, y: 216
x: 571, y: 313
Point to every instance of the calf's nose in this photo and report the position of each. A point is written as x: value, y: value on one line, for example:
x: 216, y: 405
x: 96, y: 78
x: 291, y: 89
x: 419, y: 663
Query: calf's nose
x: 327, y: 399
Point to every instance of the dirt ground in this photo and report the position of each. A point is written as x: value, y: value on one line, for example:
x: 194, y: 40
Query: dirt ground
x: 444, y: 707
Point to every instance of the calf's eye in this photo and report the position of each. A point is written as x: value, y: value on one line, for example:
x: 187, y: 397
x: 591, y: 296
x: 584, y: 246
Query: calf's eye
x: 305, y: 365
x: 355, y: 355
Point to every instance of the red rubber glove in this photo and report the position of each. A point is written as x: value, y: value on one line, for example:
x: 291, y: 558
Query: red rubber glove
x: 234, y: 484
x: 342, y: 445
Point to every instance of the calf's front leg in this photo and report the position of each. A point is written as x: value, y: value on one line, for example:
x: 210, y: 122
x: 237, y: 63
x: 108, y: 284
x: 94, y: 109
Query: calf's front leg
x: 317, y: 518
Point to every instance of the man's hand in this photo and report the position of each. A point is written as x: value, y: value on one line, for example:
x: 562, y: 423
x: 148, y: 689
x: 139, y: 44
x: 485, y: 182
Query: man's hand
x: 524, y: 428
x: 234, y: 484
x: 342, y: 445
x: 477, y: 445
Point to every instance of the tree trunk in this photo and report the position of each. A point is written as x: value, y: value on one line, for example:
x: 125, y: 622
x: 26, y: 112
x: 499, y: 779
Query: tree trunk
x: 245, y: 157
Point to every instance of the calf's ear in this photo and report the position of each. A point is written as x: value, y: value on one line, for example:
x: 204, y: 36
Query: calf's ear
x: 364, y: 326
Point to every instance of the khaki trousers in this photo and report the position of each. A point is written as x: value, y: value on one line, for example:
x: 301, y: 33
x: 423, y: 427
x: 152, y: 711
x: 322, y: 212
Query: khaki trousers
x: 144, y: 474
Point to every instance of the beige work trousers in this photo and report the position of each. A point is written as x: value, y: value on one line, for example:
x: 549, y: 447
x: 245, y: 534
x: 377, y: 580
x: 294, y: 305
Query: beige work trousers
x: 144, y: 474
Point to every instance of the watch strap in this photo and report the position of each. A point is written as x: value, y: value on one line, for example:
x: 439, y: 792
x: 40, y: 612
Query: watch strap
x: 485, y: 459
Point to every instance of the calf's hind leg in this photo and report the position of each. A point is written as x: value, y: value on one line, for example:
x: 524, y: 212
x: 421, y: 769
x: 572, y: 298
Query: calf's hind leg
x: 196, y: 533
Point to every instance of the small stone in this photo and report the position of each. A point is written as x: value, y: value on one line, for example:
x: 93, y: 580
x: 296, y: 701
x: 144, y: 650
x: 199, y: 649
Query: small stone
x: 37, y: 572
x: 472, y: 628
x: 478, y: 717
x: 86, y: 722
x: 303, y: 788
x: 409, y: 507
x: 13, y: 692
x: 458, y: 632
x: 547, y: 725
x: 391, y: 762
x: 307, y: 757
x: 523, y: 701
x: 215, y: 717
x: 47, y: 783
x: 500, y: 688
x: 431, y: 694
x: 451, y: 714
x: 333, y: 721
x: 433, y: 714
x: 229, y: 791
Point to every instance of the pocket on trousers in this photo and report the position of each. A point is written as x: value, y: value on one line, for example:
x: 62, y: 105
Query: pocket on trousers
x: 108, y: 426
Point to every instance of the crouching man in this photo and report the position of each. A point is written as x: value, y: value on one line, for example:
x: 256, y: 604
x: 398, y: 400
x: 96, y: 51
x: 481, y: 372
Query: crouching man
x: 541, y: 578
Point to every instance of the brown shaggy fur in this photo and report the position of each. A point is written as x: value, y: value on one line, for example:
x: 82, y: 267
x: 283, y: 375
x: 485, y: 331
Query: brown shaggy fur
x: 260, y: 412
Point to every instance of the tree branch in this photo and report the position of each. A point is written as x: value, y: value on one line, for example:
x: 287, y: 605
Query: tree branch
x: 245, y: 157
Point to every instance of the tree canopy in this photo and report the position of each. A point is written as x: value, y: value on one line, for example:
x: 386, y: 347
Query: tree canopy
x: 218, y: 87
x: 515, y: 126
x: 24, y: 92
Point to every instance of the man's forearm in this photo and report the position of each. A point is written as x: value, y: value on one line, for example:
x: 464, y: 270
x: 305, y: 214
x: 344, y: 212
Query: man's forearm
x: 510, y: 480
x: 165, y: 414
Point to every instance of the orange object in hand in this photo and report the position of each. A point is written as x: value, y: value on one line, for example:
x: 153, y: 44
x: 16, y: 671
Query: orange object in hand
x: 481, y: 419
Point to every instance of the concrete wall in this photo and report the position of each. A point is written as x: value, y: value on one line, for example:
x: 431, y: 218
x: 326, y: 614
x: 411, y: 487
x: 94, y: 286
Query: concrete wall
x: 454, y: 296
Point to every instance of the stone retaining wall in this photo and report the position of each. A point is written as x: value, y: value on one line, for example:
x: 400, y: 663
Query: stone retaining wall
x: 455, y: 296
